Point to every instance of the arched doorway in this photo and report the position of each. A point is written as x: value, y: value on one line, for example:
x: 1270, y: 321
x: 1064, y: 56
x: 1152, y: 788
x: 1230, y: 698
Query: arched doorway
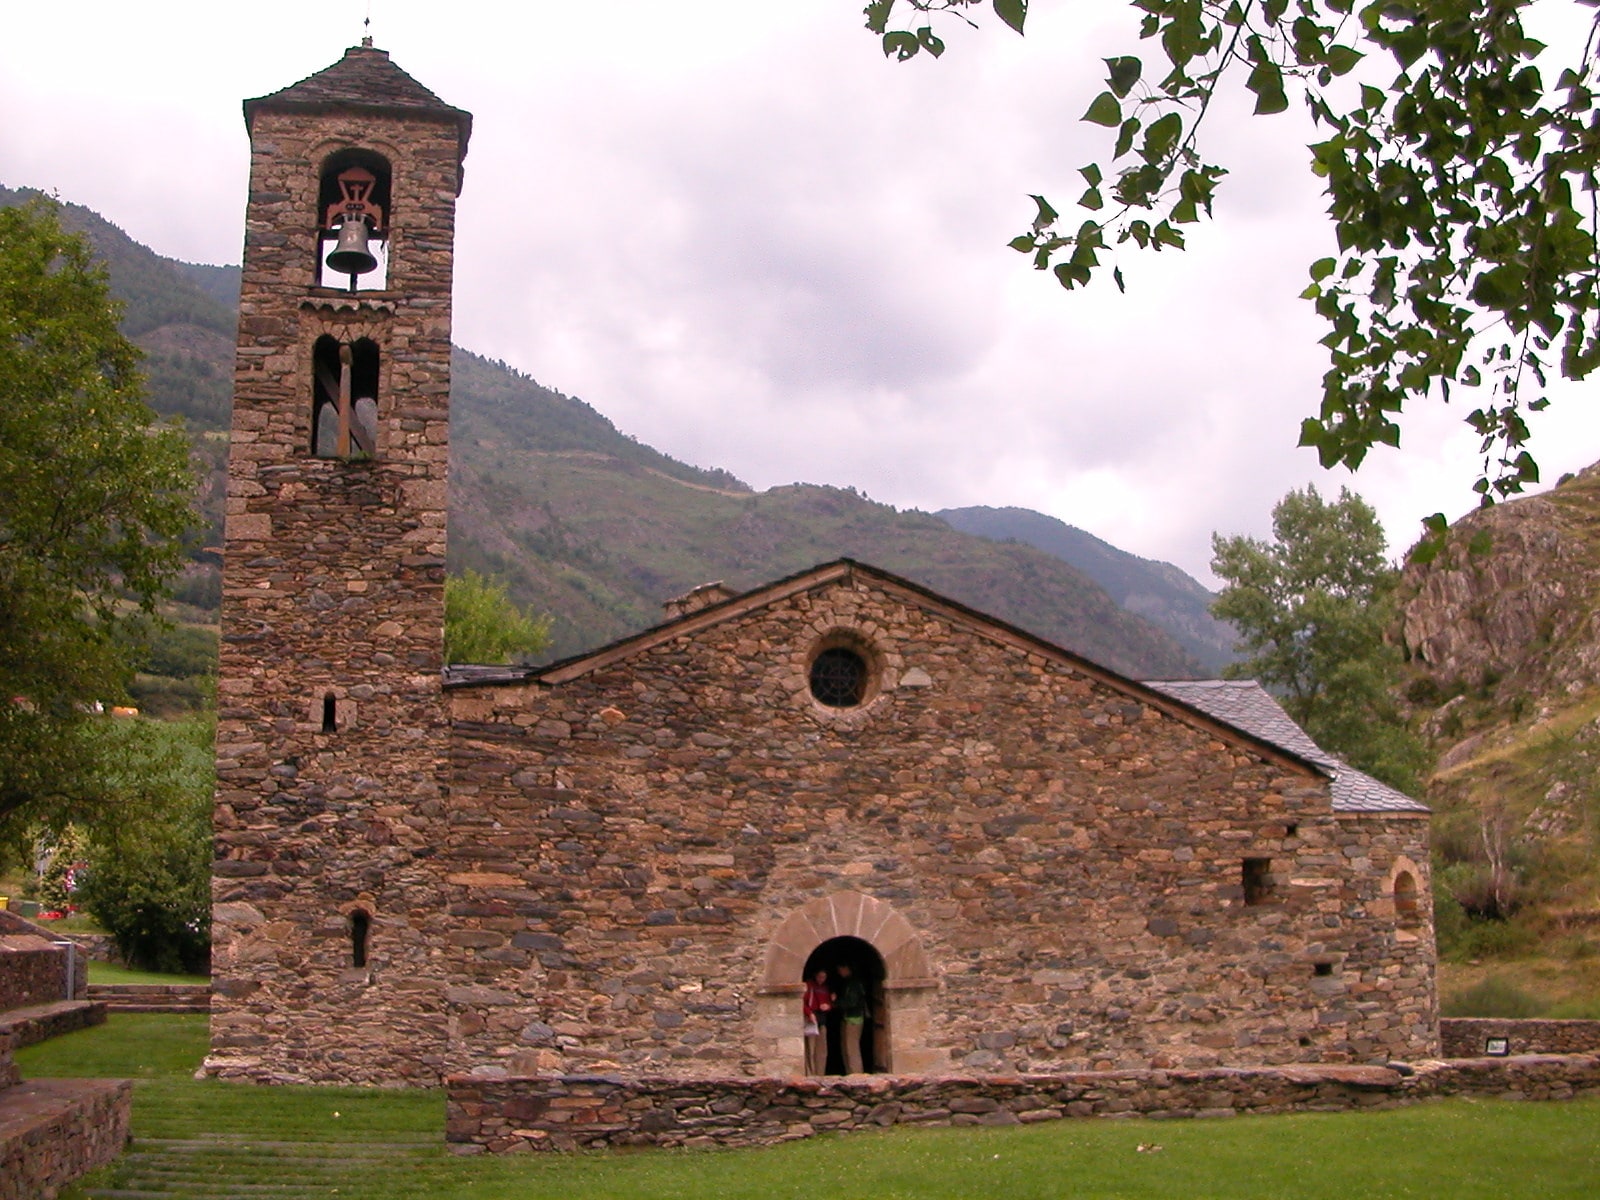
x: 904, y: 986
x: 866, y: 964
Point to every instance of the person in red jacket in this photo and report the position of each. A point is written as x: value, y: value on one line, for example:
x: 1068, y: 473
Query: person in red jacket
x: 814, y: 1008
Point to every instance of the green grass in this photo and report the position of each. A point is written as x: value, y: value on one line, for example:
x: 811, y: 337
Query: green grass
x: 100, y: 972
x: 203, y: 1138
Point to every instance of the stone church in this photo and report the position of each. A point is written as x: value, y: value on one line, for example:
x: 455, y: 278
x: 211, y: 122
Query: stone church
x: 631, y: 859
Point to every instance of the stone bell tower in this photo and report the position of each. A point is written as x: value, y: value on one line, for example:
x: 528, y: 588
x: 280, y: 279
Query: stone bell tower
x: 331, y: 731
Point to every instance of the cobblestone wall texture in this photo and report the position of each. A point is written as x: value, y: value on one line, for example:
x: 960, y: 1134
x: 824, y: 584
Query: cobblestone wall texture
x: 583, y: 1112
x: 645, y: 846
x: 1465, y: 1037
x: 333, y: 588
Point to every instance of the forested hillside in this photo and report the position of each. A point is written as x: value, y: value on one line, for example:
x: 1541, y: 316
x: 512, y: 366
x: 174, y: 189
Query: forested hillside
x: 593, y: 526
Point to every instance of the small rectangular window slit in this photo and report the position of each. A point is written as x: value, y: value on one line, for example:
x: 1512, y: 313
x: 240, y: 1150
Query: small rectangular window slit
x: 1322, y: 968
x: 330, y: 714
x: 1255, y: 877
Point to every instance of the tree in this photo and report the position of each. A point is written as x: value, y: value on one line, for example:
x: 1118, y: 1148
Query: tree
x: 482, y: 625
x: 149, y: 879
x: 94, y: 499
x: 1312, y: 606
x: 1462, y: 192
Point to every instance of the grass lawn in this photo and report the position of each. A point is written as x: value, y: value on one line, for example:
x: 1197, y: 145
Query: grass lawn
x: 100, y: 972
x: 197, y: 1138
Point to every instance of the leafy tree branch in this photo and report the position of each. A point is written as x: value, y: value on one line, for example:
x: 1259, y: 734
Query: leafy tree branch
x: 1463, y: 193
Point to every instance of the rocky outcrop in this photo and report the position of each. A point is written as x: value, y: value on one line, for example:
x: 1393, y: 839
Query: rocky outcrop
x: 1512, y: 595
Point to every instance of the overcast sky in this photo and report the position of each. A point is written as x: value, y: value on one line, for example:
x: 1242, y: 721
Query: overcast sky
x: 749, y: 240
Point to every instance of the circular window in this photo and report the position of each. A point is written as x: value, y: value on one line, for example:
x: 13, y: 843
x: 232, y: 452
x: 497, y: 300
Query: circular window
x: 839, y: 678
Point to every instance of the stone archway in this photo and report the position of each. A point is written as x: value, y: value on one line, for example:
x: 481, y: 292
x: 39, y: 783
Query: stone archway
x: 908, y: 984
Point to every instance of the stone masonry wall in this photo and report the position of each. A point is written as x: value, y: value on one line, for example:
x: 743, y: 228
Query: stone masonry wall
x: 1465, y: 1037
x: 593, y: 1111
x: 54, y: 1130
x: 32, y: 971
x: 643, y: 849
x: 333, y: 586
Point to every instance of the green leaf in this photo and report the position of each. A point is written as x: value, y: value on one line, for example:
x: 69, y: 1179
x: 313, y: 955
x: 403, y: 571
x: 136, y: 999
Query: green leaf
x: 1012, y: 12
x: 1104, y: 111
x: 877, y: 13
x: 1125, y: 136
x: 929, y: 42
x: 1091, y: 199
x: 1022, y: 242
x: 1266, y: 81
x: 1342, y: 59
x: 1046, y: 216
x: 1091, y: 174
x: 1116, y: 276
x: 1122, y: 74
x: 1322, y: 268
x: 1163, y: 135
x: 901, y: 45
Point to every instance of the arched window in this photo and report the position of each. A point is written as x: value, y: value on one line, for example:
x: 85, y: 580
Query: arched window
x: 353, y: 219
x: 360, y: 925
x: 344, y: 398
x: 1406, y: 909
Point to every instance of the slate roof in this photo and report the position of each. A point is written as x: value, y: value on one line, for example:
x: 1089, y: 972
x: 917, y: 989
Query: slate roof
x: 364, y: 79
x: 1245, y: 704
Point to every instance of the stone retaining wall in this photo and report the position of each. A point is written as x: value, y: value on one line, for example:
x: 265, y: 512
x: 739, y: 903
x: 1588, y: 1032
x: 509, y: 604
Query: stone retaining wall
x: 1464, y: 1037
x: 53, y: 1130
x: 40, y: 1022
x: 32, y: 971
x: 587, y: 1111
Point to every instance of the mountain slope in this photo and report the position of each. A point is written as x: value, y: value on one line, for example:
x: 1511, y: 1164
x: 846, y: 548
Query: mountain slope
x: 1157, y: 591
x: 1502, y: 629
x: 594, y: 526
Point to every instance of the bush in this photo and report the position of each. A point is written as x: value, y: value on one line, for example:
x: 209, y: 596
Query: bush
x: 1492, y: 997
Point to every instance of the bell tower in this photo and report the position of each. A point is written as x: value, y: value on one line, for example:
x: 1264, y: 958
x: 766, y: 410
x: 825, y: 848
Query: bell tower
x: 331, y: 729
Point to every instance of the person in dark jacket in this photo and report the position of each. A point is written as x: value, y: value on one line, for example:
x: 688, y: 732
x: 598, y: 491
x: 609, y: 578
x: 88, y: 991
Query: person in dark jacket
x: 852, y: 1001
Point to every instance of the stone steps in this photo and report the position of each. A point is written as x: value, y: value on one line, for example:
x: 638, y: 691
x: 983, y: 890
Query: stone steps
x: 38, y: 1022
x: 224, y: 1167
x: 153, y: 997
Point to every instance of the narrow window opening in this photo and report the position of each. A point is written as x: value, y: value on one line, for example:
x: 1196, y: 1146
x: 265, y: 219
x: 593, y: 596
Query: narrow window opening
x: 1255, y: 877
x: 1322, y: 968
x: 1292, y: 829
x: 360, y: 924
x: 1405, y: 898
x: 330, y: 714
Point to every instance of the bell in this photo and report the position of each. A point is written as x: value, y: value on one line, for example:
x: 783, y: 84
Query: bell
x: 351, y: 256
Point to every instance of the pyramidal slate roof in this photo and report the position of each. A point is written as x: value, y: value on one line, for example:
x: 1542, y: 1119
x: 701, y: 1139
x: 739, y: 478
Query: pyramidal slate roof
x: 1245, y: 704
x: 366, y: 80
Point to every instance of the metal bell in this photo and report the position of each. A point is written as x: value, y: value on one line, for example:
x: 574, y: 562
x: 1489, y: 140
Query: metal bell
x: 350, y: 256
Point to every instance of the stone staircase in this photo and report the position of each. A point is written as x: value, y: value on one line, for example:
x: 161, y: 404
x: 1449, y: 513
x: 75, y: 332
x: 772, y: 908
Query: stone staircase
x: 153, y: 997
x: 222, y: 1167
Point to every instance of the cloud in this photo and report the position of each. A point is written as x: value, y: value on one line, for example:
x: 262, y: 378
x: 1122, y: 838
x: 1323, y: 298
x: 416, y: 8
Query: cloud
x: 749, y: 240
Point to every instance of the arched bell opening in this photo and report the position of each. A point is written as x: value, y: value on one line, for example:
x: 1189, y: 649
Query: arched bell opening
x: 353, y: 199
x: 848, y: 961
x: 344, y: 402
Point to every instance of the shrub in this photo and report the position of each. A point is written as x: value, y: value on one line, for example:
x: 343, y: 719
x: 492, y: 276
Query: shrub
x: 1492, y: 997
